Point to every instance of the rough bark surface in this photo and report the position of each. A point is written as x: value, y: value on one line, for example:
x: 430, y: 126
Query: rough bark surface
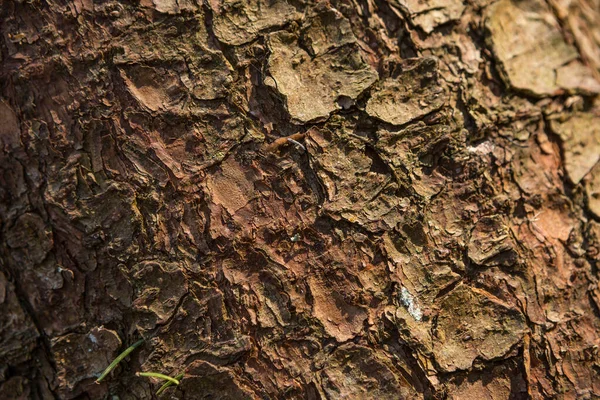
x: 342, y: 199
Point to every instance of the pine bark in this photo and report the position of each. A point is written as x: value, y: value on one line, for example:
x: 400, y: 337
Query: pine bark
x: 288, y: 199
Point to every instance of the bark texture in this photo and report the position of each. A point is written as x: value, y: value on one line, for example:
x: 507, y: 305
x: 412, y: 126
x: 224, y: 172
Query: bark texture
x: 343, y: 199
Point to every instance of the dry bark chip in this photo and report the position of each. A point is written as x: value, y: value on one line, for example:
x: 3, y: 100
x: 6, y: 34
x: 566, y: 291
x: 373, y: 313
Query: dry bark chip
x: 527, y: 40
x: 183, y: 148
x: 504, y: 381
x: 105, y: 216
x: 492, y: 243
x: 17, y: 388
x: 341, y: 319
x: 358, y: 187
x: 357, y: 372
x: 237, y: 22
x: 9, y: 129
x: 430, y: 14
x: 171, y: 6
x: 413, y: 149
x: 312, y: 85
x: 205, y: 380
x: 326, y: 30
x: 18, y: 334
x: 411, y: 93
x: 30, y: 240
x: 165, y: 70
x: 581, y: 143
x: 83, y: 356
x: 474, y: 324
x: 159, y: 288
x: 583, y: 19
x: 592, y: 188
x: 232, y: 187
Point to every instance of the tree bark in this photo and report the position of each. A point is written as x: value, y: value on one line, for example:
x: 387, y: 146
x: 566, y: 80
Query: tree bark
x: 287, y: 199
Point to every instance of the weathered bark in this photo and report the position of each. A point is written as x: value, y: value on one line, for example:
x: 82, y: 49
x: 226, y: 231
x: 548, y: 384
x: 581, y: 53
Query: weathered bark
x: 347, y: 199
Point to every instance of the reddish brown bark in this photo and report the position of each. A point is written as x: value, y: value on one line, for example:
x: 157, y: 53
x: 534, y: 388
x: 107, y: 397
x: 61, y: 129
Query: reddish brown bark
x: 295, y: 199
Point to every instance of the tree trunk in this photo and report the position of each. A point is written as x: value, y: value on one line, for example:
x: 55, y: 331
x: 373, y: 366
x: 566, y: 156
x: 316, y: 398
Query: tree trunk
x: 345, y: 199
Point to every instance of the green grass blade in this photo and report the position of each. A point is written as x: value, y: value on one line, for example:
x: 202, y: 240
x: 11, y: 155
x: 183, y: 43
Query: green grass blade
x: 157, y: 375
x: 119, y: 359
x: 168, y: 384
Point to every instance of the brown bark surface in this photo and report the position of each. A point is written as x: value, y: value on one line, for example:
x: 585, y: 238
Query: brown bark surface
x: 345, y: 199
